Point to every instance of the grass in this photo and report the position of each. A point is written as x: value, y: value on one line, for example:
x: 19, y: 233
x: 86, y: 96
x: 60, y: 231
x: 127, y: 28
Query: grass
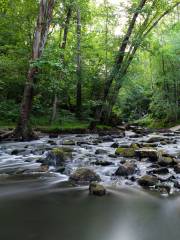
x: 68, y: 125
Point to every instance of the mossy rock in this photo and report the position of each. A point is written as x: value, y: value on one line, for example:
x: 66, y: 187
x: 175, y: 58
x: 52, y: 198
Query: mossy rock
x: 125, y: 152
x: 147, y: 181
x: 151, y: 153
x: 166, y: 161
x: 69, y: 142
x: 97, y: 189
x: 57, y: 156
x: 83, y: 175
x: 135, y: 146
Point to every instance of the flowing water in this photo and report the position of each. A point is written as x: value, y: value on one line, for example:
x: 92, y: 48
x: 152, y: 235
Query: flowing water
x: 43, y: 206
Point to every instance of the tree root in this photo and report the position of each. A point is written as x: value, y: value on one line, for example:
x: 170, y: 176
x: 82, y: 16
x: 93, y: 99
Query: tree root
x: 17, y: 136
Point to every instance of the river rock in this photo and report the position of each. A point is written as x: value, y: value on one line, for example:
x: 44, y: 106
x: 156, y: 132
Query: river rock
x: 100, y: 151
x: 147, y: 181
x: 57, y: 156
x: 51, y: 142
x: 107, y: 139
x: 44, y: 168
x: 163, y: 188
x: 166, y: 161
x: 115, y: 145
x: 102, y: 163
x: 161, y: 170
x: 176, y: 184
x: 150, y: 153
x: 97, y: 189
x: 127, y: 152
x: 126, y: 169
x: 60, y: 169
x: 69, y: 142
x: 82, y: 175
x: 149, y: 145
x: 177, y: 168
x: 155, y: 139
x: 17, y: 151
x: 53, y: 135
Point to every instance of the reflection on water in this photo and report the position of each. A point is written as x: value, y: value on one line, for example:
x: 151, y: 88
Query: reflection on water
x: 71, y: 214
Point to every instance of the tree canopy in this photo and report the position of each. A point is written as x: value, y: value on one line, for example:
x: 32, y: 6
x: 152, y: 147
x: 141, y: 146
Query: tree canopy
x: 95, y: 60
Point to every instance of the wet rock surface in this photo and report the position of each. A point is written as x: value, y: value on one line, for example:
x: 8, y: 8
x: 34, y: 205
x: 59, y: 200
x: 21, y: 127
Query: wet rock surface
x: 134, y: 157
x: 97, y: 189
x: 83, y: 175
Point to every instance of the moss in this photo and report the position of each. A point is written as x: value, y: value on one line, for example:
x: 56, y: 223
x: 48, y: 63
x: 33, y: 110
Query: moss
x: 125, y: 152
x: 62, y: 153
x: 97, y: 189
x: 84, y: 175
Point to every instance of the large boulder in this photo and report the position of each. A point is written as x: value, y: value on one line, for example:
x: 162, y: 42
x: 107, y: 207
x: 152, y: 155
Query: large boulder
x: 147, y: 181
x: 97, y: 189
x: 83, y: 175
x: 126, y: 169
x: 150, y: 153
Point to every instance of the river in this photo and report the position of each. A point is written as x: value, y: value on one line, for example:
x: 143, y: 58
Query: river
x: 43, y: 206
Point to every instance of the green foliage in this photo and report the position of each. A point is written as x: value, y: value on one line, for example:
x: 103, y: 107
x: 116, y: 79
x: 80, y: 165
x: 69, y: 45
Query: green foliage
x: 8, y: 111
x: 150, y: 90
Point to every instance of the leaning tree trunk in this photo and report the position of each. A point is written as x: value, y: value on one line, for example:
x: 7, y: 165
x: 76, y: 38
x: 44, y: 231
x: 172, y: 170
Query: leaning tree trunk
x: 122, y: 64
x: 78, y: 71
x: 23, y: 129
x: 119, y: 60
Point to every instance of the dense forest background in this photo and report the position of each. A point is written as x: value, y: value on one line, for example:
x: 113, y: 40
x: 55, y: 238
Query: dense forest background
x: 80, y: 55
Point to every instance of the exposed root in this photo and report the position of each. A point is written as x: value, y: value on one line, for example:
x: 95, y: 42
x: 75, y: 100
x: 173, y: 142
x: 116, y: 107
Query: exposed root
x: 14, y: 135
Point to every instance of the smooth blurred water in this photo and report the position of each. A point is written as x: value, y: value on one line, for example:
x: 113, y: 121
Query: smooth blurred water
x: 40, y: 206
x: 60, y: 213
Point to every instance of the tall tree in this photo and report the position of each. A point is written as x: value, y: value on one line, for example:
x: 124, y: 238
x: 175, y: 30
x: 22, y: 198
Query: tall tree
x: 78, y: 71
x: 61, y: 58
x: 23, y: 129
x: 151, y: 13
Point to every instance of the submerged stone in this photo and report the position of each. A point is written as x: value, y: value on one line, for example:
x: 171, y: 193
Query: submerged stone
x: 97, y: 189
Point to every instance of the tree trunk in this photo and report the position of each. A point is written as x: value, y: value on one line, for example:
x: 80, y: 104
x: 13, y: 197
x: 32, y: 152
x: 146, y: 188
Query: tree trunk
x: 119, y: 60
x: 78, y: 71
x: 23, y: 129
x: 54, y: 110
x: 122, y: 64
x: 62, y: 46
